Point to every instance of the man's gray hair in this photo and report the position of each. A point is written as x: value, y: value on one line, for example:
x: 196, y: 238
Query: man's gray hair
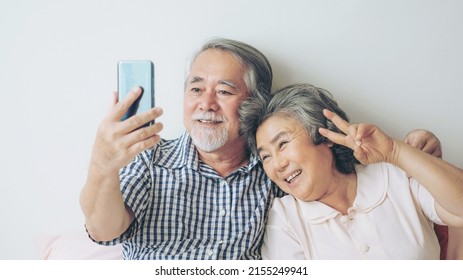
x: 258, y: 71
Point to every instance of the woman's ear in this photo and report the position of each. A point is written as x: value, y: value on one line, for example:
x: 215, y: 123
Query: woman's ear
x: 329, y: 144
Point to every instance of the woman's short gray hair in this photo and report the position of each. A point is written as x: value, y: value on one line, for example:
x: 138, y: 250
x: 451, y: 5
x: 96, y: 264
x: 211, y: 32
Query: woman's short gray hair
x: 304, y: 103
x: 258, y: 71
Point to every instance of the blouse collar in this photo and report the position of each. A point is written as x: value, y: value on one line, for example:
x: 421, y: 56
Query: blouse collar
x: 372, y: 182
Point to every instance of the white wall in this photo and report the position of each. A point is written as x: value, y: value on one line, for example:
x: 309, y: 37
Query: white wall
x: 395, y: 63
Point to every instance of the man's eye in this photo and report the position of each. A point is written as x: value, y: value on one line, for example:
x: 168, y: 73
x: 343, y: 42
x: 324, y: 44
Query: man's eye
x: 195, y: 90
x: 224, y: 92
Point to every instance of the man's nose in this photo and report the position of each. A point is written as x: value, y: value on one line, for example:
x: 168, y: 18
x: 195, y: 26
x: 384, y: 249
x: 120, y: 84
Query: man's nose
x: 209, y: 101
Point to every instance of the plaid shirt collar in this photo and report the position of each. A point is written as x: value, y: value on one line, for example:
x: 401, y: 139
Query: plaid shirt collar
x: 184, y: 153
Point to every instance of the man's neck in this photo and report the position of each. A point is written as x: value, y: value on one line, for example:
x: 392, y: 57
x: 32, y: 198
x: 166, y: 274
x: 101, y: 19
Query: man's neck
x: 225, y: 160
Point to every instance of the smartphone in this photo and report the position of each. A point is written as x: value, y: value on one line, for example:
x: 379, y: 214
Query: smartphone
x: 131, y: 73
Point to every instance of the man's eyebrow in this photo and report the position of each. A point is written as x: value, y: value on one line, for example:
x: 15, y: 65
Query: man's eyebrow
x: 196, y: 79
x: 274, y: 139
x: 228, y: 83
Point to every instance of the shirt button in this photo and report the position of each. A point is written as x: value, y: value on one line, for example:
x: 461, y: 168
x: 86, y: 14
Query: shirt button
x: 351, y: 216
x: 343, y: 219
x: 220, y: 241
x: 364, y: 248
x: 210, y: 253
x: 223, y: 212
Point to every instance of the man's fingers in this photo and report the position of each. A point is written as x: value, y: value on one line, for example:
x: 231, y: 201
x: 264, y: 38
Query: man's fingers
x: 139, y: 147
x: 417, y: 144
x: 424, y: 141
x: 114, y: 100
x: 142, y: 134
x: 139, y: 120
x: 433, y: 148
x: 123, y: 105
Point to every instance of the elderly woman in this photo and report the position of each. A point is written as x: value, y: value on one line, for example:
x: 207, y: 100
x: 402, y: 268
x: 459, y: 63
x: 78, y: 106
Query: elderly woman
x: 350, y: 194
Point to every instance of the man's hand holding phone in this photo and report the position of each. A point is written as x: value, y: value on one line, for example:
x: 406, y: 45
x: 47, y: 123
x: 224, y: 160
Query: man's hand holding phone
x: 118, y: 142
x: 127, y: 129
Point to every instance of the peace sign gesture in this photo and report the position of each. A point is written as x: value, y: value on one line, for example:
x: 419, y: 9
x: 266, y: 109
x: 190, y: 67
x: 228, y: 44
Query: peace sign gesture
x: 369, y: 143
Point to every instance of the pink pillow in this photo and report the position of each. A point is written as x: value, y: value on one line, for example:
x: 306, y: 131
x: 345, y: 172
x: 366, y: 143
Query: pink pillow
x: 75, y: 247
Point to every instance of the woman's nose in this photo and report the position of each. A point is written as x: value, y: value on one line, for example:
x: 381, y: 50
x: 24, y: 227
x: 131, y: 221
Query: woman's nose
x: 279, y: 162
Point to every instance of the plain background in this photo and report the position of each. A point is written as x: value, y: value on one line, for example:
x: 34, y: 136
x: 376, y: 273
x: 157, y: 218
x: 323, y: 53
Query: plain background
x: 395, y: 63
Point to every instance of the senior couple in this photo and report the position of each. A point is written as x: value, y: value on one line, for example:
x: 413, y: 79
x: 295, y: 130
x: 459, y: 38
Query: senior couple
x: 259, y: 175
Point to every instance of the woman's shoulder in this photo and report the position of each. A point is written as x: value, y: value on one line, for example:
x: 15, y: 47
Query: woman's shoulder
x: 380, y: 169
x: 284, y: 202
x: 281, y: 208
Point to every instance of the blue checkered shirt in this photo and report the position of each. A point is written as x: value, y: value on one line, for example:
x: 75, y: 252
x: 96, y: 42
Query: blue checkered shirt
x: 185, y: 210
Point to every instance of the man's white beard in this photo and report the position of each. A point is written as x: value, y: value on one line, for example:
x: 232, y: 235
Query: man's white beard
x: 208, y: 139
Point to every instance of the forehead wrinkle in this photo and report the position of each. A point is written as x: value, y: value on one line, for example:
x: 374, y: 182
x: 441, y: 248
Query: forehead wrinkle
x: 278, y: 136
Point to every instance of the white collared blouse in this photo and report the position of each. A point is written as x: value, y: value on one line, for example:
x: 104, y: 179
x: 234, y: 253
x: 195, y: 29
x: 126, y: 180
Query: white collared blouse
x: 391, y: 218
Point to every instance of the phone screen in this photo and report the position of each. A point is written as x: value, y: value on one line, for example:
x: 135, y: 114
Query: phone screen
x: 131, y: 73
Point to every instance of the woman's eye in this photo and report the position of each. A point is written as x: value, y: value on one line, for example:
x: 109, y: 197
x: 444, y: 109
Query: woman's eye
x: 264, y: 157
x: 282, y: 144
